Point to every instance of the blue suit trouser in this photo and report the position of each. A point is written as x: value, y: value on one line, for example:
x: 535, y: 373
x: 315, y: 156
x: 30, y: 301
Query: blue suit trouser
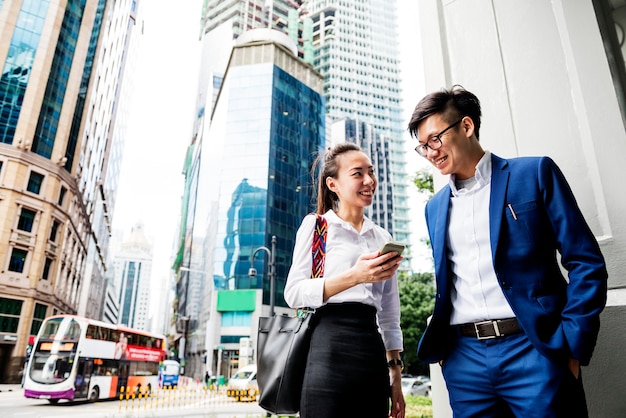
x: 508, y: 377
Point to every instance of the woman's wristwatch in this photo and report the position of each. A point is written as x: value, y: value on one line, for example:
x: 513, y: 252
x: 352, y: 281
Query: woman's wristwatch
x: 396, y: 362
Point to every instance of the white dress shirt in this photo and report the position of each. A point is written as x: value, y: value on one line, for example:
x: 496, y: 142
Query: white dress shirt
x: 344, y: 245
x: 476, y: 293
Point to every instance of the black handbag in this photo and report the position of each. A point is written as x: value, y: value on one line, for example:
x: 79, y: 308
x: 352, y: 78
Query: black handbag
x: 283, y: 345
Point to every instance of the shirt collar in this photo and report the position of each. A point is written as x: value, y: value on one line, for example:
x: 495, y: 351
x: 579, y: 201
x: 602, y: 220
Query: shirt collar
x: 482, y: 176
x: 332, y: 217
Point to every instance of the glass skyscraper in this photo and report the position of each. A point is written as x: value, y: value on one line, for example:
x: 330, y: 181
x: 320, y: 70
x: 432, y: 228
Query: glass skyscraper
x: 248, y: 179
x: 354, y: 45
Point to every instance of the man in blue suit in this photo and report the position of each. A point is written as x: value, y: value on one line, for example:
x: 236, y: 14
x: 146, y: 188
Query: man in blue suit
x: 508, y: 329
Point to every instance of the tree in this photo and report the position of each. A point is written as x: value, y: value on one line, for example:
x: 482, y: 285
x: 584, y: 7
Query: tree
x: 423, y: 180
x: 417, y: 293
x: 417, y: 300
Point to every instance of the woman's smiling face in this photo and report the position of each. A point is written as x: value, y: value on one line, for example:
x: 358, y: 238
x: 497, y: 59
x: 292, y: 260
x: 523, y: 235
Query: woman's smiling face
x: 356, y: 182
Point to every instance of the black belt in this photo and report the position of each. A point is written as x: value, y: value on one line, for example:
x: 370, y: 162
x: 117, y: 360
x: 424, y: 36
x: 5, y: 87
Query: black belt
x: 485, y: 330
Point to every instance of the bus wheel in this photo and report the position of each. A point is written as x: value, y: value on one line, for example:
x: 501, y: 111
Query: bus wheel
x: 94, y: 394
x: 53, y: 401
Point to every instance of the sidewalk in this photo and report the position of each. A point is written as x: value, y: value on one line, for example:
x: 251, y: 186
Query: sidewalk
x: 4, y: 387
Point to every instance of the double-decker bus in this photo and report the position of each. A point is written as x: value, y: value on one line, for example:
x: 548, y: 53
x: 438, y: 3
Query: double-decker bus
x: 77, y: 358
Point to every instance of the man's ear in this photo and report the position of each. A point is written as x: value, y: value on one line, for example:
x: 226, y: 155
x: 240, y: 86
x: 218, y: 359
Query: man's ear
x: 468, y: 126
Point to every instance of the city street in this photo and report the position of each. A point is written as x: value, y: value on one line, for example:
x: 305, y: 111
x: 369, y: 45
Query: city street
x: 184, y: 403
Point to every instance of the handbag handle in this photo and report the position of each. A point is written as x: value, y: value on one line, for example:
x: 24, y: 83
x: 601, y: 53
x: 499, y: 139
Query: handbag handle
x: 318, y: 256
x: 318, y: 248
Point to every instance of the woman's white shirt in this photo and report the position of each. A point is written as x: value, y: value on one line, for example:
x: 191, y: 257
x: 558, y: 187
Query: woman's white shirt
x: 344, y: 245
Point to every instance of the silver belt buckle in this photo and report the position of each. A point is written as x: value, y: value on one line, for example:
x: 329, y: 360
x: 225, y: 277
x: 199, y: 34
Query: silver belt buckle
x: 494, y: 324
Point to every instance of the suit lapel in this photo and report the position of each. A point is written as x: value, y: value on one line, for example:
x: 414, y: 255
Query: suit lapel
x: 499, y: 183
x: 441, y: 228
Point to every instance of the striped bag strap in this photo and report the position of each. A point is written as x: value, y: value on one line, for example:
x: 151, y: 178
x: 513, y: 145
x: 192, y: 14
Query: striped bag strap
x: 318, y: 249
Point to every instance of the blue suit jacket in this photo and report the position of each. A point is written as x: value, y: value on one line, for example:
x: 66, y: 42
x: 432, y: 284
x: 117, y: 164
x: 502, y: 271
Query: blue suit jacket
x: 561, y: 319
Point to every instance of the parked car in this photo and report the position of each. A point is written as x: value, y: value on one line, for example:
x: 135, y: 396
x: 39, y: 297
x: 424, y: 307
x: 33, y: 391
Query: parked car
x: 243, y: 384
x: 416, y: 386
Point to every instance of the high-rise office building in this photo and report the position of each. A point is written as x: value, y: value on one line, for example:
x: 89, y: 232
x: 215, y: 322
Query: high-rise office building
x: 248, y: 179
x: 133, y: 268
x: 354, y: 47
x: 356, y: 50
x: 59, y: 95
x: 287, y: 16
x: 102, y: 141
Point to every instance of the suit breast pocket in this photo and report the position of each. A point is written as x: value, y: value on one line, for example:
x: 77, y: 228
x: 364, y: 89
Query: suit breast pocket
x: 524, y: 222
x: 520, y: 209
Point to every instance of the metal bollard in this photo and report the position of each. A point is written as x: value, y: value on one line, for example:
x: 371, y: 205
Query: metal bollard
x: 119, y: 408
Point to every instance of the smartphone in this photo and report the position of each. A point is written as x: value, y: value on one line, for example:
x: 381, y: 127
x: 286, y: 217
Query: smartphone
x: 392, y: 246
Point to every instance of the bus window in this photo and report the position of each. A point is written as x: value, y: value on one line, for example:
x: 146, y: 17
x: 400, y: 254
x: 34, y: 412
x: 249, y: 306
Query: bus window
x: 73, y: 332
x: 105, y: 334
x: 51, y: 328
x: 92, y: 332
x: 51, y: 368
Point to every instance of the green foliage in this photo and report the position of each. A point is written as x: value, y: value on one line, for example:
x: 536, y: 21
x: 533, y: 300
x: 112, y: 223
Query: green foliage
x: 417, y: 300
x: 423, y: 180
x: 418, y: 407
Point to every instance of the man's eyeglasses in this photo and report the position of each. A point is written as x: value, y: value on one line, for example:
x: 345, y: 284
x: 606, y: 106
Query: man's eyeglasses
x: 434, y: 142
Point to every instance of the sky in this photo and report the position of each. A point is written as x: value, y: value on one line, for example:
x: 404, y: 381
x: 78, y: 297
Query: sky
x: 161, y: 121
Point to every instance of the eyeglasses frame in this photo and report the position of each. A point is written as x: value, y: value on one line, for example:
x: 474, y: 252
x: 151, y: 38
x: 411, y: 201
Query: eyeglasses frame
x: 435, y: 139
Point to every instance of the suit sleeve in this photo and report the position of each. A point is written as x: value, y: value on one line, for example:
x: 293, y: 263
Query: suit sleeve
x: 581, y: 257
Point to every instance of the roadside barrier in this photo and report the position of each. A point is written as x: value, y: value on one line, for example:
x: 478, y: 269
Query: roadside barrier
x: 134, y: 399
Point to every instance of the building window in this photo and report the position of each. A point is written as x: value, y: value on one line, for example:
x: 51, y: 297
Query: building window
x: 54, y: 231
x: 38, y: 317
x: 27, y: 218
x: 611, y: 21
x: 18, y: 260
x: 45, y: 274
x: 236, y: 319
x: 232, y: 339
x: 62, y: 194
x: 34, y: 182
x: 10, y: 311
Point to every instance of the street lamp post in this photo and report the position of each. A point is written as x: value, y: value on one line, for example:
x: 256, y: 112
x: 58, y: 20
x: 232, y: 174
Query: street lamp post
x: 185, y: 319
x: 182, y: 345
x: 271, y: 273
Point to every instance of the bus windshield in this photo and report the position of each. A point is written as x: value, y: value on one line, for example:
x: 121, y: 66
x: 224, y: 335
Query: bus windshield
x: 55, y: 352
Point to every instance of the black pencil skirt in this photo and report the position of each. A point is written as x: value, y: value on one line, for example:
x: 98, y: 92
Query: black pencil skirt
x: 346, y: 372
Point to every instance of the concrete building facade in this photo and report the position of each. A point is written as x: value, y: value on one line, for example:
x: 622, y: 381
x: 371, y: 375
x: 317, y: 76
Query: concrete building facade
x: 355, y: 48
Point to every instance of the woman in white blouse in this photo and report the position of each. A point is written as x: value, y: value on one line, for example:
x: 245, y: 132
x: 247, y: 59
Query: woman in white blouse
x: 357, y: 317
